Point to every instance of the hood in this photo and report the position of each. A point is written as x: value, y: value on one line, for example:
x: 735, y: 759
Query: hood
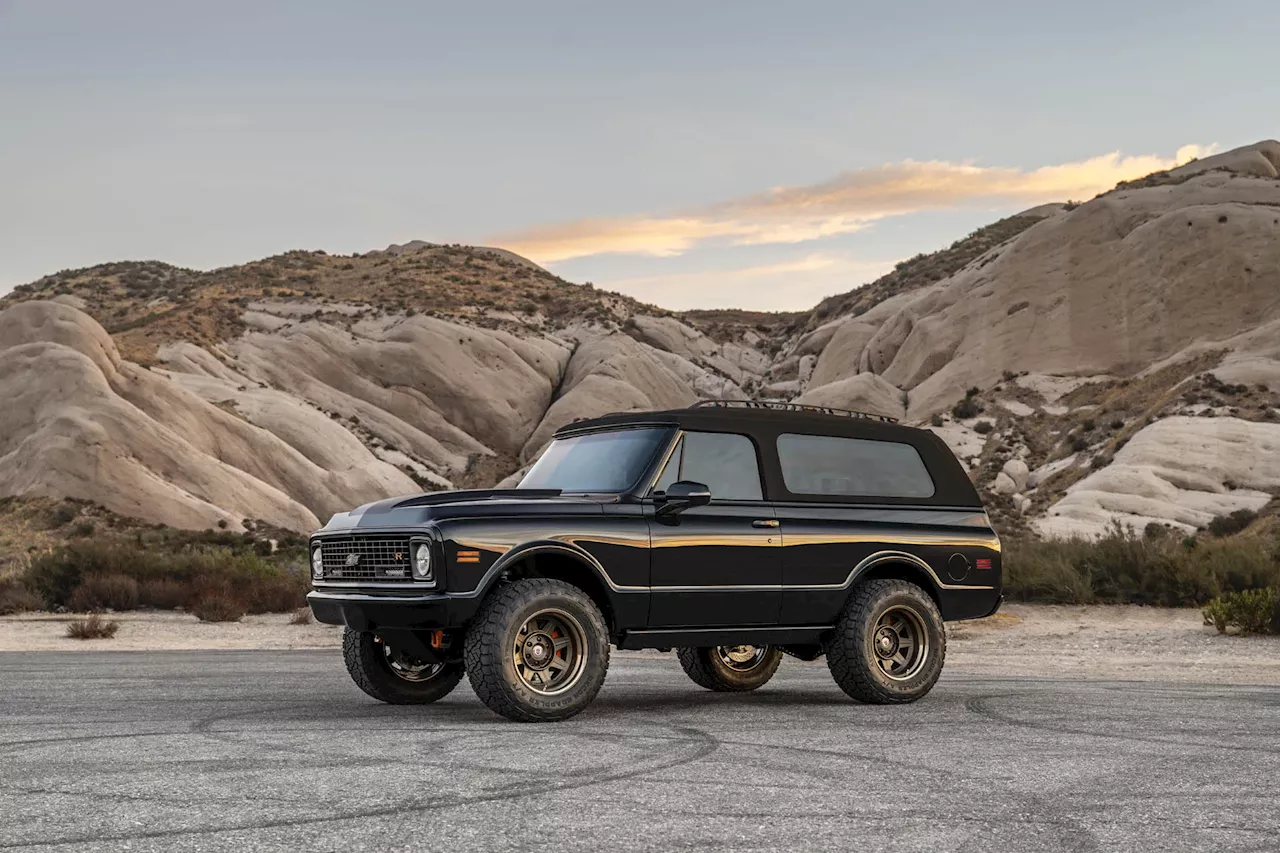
x: 417, y: 510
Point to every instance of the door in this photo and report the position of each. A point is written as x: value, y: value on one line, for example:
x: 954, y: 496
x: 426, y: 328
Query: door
x: 719, y: 564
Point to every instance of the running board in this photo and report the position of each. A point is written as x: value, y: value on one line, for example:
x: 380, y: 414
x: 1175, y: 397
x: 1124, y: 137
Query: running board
x: 667, y: 638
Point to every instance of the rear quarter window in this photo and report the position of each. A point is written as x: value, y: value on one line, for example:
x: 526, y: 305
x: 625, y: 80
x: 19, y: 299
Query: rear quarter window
x: 825, y: 465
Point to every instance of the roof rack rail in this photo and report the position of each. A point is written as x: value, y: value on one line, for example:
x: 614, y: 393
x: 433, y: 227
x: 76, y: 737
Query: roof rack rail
x: 789, y: 407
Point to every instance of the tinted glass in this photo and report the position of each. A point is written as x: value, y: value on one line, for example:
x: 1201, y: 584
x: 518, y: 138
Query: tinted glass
x: 595, y: 462
x: 725, y: 462
x: 821, y: 465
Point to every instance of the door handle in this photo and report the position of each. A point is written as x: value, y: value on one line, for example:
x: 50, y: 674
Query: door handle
x: 765, y: 522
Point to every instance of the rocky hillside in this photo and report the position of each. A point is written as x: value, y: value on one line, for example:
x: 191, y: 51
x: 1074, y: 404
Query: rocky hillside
x: 1116, y: 359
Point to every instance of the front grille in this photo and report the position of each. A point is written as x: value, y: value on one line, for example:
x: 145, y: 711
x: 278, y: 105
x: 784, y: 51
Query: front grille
x: 371, y: 558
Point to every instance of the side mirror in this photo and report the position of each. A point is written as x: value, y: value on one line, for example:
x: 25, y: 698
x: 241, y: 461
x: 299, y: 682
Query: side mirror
x: 680, y: 496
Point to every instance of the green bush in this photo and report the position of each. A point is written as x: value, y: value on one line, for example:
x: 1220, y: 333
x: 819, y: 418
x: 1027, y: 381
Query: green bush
x: 1252, y: 611
x: 171, y: 569
x: 1225, y: 525
x: 966, y: 408
x: 1124, y: 567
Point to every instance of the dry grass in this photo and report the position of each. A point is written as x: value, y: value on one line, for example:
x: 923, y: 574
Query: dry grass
x: 109, y: 592
x: 302, y: 617
x: 92, y: 627
x: 1126, y: 568
x: 15, y: 597
x: 214, y: 607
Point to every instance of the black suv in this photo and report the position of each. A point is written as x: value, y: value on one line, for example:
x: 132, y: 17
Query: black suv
x: 733, y: 532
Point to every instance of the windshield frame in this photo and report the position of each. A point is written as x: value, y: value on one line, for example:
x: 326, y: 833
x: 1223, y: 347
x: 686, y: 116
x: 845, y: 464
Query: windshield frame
x: 662, y: 450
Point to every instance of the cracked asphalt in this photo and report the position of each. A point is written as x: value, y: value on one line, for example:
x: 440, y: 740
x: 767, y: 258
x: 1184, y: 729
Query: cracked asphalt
x: 246, y: 751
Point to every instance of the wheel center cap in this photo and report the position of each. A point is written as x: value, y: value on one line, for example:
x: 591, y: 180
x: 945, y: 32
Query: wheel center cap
x: 886, y: 643
x: 538, y: 650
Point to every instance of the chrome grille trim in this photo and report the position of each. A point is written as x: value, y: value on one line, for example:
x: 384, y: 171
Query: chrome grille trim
x: 384, y: 558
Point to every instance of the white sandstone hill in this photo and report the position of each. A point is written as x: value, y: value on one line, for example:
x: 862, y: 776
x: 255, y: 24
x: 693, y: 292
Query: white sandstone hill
x: 1115, y: 360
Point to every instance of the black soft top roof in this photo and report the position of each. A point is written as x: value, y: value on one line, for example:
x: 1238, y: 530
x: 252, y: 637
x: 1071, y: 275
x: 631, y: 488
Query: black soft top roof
x: 764, y: 423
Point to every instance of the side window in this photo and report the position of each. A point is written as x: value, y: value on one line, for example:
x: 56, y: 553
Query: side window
x: 822, y: 465
x: 725, y: 462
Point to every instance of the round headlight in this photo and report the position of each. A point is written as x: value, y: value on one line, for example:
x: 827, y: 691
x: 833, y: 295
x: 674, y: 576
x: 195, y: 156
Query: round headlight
x: 422, y: 561
x: 317, y: 563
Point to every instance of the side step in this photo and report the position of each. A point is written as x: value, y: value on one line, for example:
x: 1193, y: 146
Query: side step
x: 666, y: 638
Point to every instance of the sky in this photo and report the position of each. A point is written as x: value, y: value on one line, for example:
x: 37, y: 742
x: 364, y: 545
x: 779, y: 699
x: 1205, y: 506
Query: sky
x: 692, y: 155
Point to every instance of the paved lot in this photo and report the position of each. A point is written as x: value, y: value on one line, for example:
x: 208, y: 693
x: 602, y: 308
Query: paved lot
x: 277, y: 750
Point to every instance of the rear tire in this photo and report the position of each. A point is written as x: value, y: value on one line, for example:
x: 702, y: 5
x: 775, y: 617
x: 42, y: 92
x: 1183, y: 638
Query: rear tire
x: 889, y: 645
x: 730, y: 669
x: 395, y: 677
x: 537, y: 651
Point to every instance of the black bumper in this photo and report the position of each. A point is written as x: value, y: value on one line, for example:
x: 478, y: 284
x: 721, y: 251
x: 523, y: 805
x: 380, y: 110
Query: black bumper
x: 367, y: 612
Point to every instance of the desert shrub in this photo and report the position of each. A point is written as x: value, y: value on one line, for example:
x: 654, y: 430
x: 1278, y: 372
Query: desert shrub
x: 1225, y: 525
x: 275, y: 595
x: 163, y: 594
x: 192, y: 560
x: 92, y: 627
x: 1154, y: 530
x: 935, y: 420
x: 983, y: 427
x: 112, y: 592
x: 1252, y: 611
x: 301, y: 617
x: 214, y: 607
x: 966, y: 408
x: 1125, y: 568
x: 15, y: 597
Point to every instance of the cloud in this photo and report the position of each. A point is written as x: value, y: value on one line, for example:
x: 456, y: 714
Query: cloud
x: 768, y: 287
x: 848, y: 202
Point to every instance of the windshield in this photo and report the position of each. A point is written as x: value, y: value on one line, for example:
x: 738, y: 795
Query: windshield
x: 596, y: 462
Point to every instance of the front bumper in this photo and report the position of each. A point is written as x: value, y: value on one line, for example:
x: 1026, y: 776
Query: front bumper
x: 368, y: 612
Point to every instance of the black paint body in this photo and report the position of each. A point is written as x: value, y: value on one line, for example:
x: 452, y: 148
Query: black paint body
x: 777, y: 570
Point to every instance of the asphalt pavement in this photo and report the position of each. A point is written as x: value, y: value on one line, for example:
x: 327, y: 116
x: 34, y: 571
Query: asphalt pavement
x: 246, y: 751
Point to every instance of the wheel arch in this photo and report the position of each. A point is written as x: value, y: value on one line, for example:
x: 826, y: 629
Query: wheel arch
x: 898, y: 566
x: 560, y: 561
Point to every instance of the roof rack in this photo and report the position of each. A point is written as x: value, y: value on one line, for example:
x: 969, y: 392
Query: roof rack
x: 789, y: 407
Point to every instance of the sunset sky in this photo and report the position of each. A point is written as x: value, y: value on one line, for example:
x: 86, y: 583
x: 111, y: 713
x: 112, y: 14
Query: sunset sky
x: 754, y: 155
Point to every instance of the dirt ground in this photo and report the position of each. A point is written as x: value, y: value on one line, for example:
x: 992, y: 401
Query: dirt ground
x: 1101, y: 642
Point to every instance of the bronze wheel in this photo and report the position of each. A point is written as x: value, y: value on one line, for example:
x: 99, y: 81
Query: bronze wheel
x: 392, y: 675
x: 888, y: 646
x: 730, y: 669
x: 549, y: 651
x: 537, y: 651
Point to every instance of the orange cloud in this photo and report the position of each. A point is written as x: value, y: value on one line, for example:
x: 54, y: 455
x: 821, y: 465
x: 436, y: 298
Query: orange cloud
x: 846, y: 203
x: 767, y: 287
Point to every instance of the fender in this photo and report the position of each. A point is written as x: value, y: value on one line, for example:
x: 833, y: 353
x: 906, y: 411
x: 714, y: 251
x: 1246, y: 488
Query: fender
x: 545, y: 546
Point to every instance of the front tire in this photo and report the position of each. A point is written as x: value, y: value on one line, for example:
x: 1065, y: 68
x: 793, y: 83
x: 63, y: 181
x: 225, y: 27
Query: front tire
x: 395, y: 677
x: 889, y: 644
x: 730, y: 669
x: 537, y: 651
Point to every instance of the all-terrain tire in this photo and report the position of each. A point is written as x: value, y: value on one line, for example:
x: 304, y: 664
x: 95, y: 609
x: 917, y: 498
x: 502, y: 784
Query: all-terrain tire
x: 707, y: 668
x: 867, y: 623
x: 504, y: 641
x: 382, y: 673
